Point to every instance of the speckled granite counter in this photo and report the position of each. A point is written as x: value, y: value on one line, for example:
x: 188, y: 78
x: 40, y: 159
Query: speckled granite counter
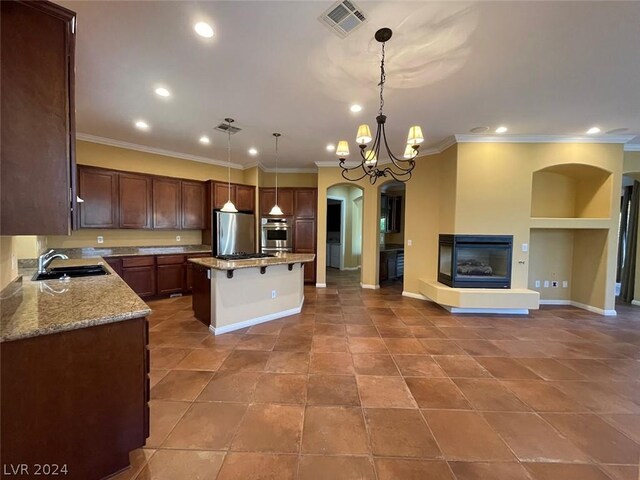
x: 30, y: 309
x: 133, y: 251
x: 282, y: 259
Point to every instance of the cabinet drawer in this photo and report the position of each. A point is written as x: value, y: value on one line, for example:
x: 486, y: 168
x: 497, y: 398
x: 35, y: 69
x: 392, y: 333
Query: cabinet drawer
x: 137, y: 262
x: 170, y: 259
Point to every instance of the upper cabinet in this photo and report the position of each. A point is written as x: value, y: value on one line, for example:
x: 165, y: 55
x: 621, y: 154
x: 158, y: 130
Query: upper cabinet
x: 114, y: 199
x: 391, y: 213
x: 37, y: 189
x: 245, y: 198
x: 305, y: 202
x: 268, y: 200
x: 242, y: 196
x: 99, y: 190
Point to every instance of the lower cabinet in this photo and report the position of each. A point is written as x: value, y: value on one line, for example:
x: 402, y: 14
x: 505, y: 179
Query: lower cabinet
x: 140, y: 275
x: 391, y: 265
x: 201, y: 300
x: 170, y: 274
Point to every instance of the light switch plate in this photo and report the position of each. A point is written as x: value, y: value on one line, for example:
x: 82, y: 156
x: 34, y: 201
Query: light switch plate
x: 100, y: 239
x: 537, y: 283
x: 546, y: 284
x: 525, y: 247
x: 409, y: 243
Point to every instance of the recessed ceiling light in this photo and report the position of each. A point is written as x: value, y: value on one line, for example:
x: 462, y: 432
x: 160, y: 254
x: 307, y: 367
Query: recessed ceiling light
x: 205, y: 140
x: 162, y: 92
x: 617, y: 131
x: 203, y: 29
x: 355, y: 108
x: 253, y: 151
x: 142, y: 125
x: 331, y: 147
x: 501, y: 129
x: 593, y: 130
x: 479, y: 129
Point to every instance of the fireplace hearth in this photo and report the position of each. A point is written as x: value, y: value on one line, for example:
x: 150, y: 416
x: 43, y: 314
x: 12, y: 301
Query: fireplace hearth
x: 475, y: 261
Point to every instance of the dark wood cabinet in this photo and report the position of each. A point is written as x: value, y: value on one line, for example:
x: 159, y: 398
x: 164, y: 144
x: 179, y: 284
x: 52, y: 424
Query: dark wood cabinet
x: 194, y: 199
x: 77, y: 397
x: 170, y: 274
x: 99, y: 190
x: 188, y: 286
x: 285, y: 200
x: 135, y: 201
x: 201, y: 301
x: 221, y: 194
x: 304, y: 235
x: 140, y: 275
x: 391, y: 265
x: 391, y: 212
x: 37, y: 158
x: 245, y: 198
x: 305, y: 202
x: 167, y: 193
x: 116, y: 264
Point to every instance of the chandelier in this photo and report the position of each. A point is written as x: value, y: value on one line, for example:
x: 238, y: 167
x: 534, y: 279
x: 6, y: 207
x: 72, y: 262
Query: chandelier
x: 398, y: 168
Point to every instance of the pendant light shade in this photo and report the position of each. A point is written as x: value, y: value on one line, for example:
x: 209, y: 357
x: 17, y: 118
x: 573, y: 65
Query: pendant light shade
x: 229, y: 207
x: 276, y: 210
x: 343, y: 148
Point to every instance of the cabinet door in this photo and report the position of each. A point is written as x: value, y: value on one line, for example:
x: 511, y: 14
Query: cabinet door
x: 188, y: 286
x: 245, y: 198
x: 268, y: 200
x: 304, y: 241
x: 38, y: 133
x: 201, y: 300
x: 142, y: 280
x: 220, y: 194
x: 310, y: 272
x: 116, y: 264
x: 166, y: 204
x: 383, y: 267
x: 135, y: 201
x: 170, y: 279
x: 305, y: 203
x: 99, y: 190
x: 193, y: 205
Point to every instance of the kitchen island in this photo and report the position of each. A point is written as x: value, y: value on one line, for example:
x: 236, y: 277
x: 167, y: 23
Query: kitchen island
x: 74, y: 366
x: 235, y: 294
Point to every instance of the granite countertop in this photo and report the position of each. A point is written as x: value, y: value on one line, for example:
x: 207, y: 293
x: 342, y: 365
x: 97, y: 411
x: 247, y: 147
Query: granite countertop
x: 31, y: 309
x: 281, y: 259
x: 132, y: 251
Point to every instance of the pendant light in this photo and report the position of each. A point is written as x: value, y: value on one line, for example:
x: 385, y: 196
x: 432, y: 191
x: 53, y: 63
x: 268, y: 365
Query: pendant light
x: 229, y: 207
x: 276, y: 210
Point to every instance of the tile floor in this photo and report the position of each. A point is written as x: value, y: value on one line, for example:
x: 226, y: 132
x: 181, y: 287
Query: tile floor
x: 371, y: 385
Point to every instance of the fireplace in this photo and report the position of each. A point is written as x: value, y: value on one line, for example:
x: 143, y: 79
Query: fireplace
x: 475, y: 261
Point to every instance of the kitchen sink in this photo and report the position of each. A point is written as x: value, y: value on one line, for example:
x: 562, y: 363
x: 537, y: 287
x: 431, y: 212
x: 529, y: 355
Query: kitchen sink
x: 62, y: 273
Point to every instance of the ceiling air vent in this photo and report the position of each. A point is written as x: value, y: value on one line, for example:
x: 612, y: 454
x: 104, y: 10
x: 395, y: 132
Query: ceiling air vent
x: 343, y: 18
x: 224, y: 128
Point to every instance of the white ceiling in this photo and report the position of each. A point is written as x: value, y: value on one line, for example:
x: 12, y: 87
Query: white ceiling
x: 541, y: 68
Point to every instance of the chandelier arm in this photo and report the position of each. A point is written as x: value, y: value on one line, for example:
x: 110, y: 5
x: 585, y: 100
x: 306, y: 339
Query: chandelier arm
x: 398, y: 162
x: 400, y: 177
x: 346, y: 171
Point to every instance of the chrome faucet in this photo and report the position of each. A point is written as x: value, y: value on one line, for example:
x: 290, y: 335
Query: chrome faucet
x: 46, y: 258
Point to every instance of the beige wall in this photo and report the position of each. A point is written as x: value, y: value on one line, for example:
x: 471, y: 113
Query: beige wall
x: 125, y: 238
x: 551, y: 258
x: 309, y: 180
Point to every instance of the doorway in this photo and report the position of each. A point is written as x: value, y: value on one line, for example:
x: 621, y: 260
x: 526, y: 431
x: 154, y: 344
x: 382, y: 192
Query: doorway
x: 391, y: 235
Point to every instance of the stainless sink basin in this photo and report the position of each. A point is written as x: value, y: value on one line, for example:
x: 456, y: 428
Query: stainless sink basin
x: 62, y: 273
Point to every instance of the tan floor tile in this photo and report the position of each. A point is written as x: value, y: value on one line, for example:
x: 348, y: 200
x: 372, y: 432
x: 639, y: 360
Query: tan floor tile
x: 332, y: 390
x: 331, y: 363
x: 406, y: 346
x: 395, y: 332
x: 257, y: 342
x: 362, y: 331
x: 334, y: 431
x: 400, y: 433
x: 555, y: 471
x: 181, y: 385
x: 597, y: 438
x: 270, y: 428
x: 267, y: 328
x: 489, y: 471
x: 461, y: 366
x: 440, y: 346
x: 628, y: 424
x: 534, y: 440
x: 173, y: 464
x: 230, y: 386
x: 543, y: 397
x: 335, y: 468
x: 327, y: 344
x: 281, y: 388
x: 489, y: 395
x: 384, y: 392
x: 167, y: 358
x: 367, y: 345
x: 138, y: 459
x: 203, y: 359
x: 440, y: 393
x: 258, y: 466
x: 288, y: 362
x: 622, y: 472
x: 596, y: 398
x: 246, y: 360
x: 206, y: 426
x: 418, y: 366
x: 331, y: 330
x: 408, y: 469
x: 221, y: 342
x: 375, y: 364
x: 293, y: 343
x: 155, y: 376
x: 483, y: 348
x: 459, y: 333
x: 466, y: 436
x: 507, y: 368
x: 163, y: 416
x: 427, y: 332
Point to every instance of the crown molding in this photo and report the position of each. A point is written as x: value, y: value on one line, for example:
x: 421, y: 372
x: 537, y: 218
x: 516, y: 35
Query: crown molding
x: 633, y: 147
x: 157, y: 151
x: 287, y: 170
x: 466, y: 138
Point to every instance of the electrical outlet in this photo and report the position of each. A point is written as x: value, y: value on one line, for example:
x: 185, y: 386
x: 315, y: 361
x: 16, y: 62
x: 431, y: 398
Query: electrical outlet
x: 409, y: 243
x: 177, y: 238
x: 565, y: 284
x: 100, y: 239
x: 546, y: 284
x: 273, y: 294
x: 537, y: 283
x: 554, y: 284
x: 525, y: 247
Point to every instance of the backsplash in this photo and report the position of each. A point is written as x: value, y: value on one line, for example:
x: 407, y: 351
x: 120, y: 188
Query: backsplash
x: 125, y: 238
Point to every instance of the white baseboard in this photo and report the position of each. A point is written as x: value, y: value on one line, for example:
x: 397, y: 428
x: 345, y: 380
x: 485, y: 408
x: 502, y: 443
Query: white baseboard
x: 351, y: 268
x: 372, y: 287
x: 583, y: 306
x: 321, y: 285
x: 419, y: 296
x: 503, y: 311
x: 635, y: 302
x: 256, y: 321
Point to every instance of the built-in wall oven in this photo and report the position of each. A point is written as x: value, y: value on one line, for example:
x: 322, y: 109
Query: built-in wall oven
x: 276, y: 235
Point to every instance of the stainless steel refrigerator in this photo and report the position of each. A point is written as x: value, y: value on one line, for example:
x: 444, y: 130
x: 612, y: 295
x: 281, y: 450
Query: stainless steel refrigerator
x: 233, y: 233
